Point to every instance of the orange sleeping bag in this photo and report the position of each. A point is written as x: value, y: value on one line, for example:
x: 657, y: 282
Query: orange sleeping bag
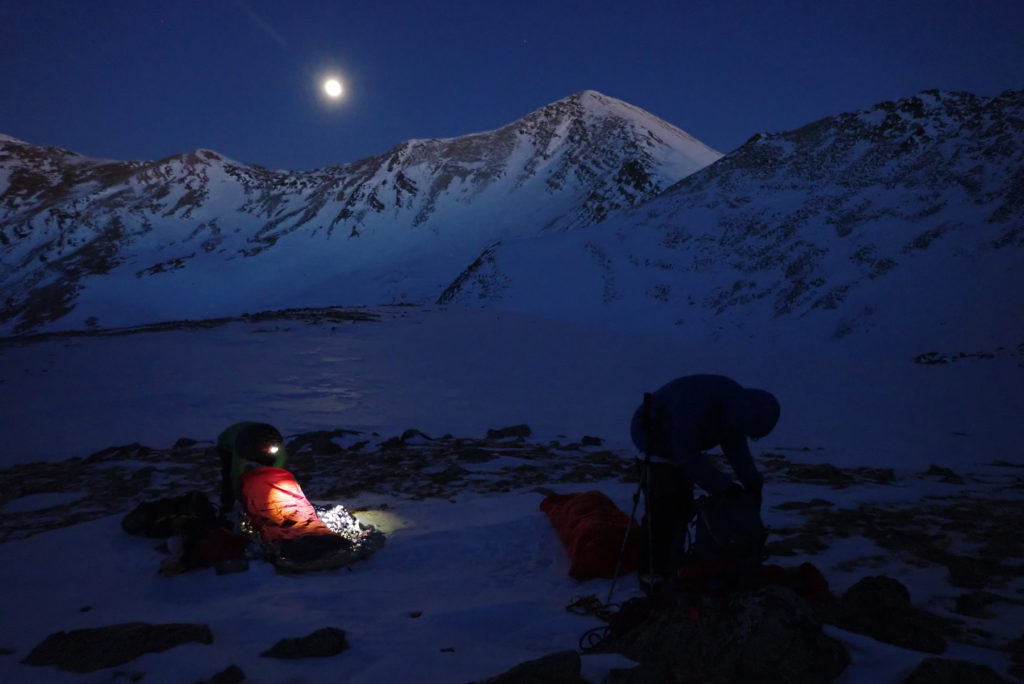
x: 277, y: 507
x: 592, y: 528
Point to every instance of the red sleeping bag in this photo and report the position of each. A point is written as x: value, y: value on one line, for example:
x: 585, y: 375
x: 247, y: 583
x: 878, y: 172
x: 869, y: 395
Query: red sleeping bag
x: 592, y: 528
x: 277, y: 507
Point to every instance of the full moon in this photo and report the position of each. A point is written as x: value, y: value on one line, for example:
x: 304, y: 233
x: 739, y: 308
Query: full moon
x: 332, y: 87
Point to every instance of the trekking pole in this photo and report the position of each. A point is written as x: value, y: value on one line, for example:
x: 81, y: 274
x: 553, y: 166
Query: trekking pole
x: 625, y: 540
x: 649, y: 435
x: 636, y: 498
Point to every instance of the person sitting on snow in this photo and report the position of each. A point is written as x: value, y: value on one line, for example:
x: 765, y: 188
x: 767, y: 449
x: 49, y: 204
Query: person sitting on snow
x: 682, y: 420
x: 243, y: 446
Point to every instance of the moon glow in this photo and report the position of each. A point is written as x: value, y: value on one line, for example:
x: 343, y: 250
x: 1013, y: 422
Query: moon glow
x: 332, y: 87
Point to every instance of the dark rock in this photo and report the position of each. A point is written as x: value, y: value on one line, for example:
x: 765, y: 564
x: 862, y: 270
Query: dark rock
x: 588, y: 440
x: 452, y: 472
x: 820, y: 472
x: 472, y: 454
x: 231, y: 675
x: 803, y: 505
x: 6, y: 651
x: 769, y: 635
x: 1016, y: 650
x: 184, y: 443
x: 879, y: 475
x: 880, y: 607
x: 322, y: 643
x: 323, y: 445
x: 562, y: 667
x: 639, y: 675
x: 836, y: 477
x: 948, y: 671
x: 513, y: 431
x: 230, y: 566
x: 412, y: 433
x: 88, y: 650
x: 798, y: 544
x: 320, y: 442
x: 944, y: 474
x: 976, y: 603
x: 115, y: 452
x: 969, y: 573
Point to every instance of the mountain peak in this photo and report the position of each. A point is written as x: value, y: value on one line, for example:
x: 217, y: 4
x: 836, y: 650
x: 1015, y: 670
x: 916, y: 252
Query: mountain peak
x: 591, y: 97
x: 97, y: 235
x: 838, y: 221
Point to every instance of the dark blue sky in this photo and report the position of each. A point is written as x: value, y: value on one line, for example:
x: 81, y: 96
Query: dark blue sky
x: 143, y: 79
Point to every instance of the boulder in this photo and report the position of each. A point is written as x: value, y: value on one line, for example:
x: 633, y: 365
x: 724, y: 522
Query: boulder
x: 91, y: 649
x: 969, y: 572
x: 975, y: 603
x: 520, y: 431
x: 562, y: 667
x: 322, y: 643
x: 1016, y: 650
x: 948, y: 671
x: 880, y: 608
x: 230, y: 675
x: 768, y: 635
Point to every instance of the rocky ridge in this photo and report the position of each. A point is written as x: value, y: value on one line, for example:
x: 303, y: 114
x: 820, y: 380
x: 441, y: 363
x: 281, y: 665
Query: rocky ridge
x: 66, y: 219
x: 921, y: 195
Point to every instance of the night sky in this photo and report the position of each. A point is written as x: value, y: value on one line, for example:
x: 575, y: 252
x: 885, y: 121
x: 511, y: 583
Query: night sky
x: 144, y: 79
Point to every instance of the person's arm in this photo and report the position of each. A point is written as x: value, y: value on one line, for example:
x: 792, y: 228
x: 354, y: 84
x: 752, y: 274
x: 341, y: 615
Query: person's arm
x: 738, y: 452
x: 697, y: 465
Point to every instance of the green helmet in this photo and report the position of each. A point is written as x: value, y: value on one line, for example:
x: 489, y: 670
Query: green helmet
x: 260, y: 443
x: 246, y: 445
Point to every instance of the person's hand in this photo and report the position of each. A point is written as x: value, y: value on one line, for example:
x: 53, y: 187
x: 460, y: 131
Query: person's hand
x: 736, y: 490
x: 756, y: 492
x: 733, y: 491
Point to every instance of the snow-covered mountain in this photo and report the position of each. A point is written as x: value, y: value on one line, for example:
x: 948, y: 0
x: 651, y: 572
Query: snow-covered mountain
x: 902, y: 221
x: 906, y: 218
x: 198, y: 234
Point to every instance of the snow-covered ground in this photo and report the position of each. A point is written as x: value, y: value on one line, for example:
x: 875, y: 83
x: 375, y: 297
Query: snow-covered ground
x: 486, y: 573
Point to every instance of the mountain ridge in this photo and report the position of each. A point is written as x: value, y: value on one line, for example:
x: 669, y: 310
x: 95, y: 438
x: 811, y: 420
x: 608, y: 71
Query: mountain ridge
x: 811, y: 222
x: 860, y: 221
x: 66, y: 220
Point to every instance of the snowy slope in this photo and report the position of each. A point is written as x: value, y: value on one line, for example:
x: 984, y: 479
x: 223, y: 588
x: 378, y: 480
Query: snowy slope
x: 124, y: 243
x: 903, y: 222
x: 485, y: 573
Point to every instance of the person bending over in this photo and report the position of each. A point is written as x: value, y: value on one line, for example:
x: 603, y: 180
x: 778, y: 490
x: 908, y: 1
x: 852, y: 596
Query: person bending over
x: 675, y: 427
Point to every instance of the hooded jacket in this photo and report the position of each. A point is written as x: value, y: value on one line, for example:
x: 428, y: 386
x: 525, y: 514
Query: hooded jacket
x: 695, y: 413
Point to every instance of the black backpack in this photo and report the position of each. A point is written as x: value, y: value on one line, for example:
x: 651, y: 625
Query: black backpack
x: 165, y: 517
x: 729, y: 529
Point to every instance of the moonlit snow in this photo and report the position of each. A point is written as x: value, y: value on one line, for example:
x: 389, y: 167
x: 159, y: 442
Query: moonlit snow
x: 486, y: 574
x: 869, y: 286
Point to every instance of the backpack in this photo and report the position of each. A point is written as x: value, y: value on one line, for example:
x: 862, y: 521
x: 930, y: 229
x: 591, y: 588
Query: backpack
x: 166, y: 517
x: 729, y: 529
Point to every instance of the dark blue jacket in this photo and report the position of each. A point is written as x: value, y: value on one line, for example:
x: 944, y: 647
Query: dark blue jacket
x: 695, y: 413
